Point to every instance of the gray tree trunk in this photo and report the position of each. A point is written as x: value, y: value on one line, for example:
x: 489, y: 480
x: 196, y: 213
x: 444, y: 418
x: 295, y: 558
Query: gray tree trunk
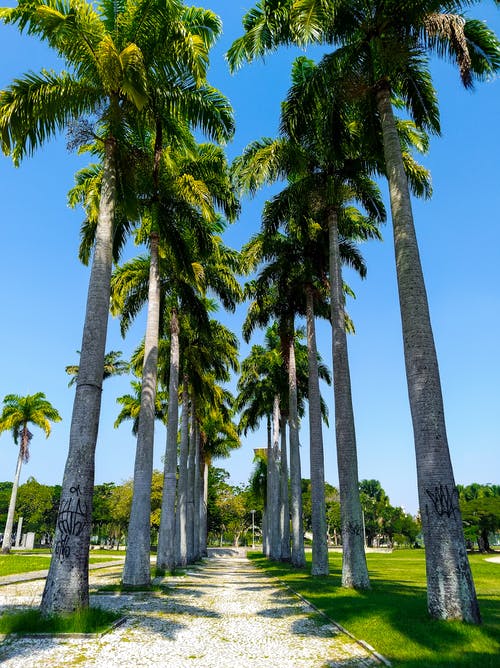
x: 265, y: 523
x: 7, y: 534
x: 166, y: 536
x: 319, y: 529
x: 273, y: 487
x: 67, y: 584
x: 284, y: 497
x: 181, y: 528
x: 137, y: 567
x: 450, y: 589
x: 196, y: 495
x: 191, y: 557
x: 298, y: 552
x: 354, y: 569
x: 203, y: 510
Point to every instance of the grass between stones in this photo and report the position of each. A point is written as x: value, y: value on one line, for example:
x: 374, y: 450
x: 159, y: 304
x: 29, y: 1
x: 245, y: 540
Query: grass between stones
x: 392, y: 616
x: 89, y: 620
x: 121, y: 588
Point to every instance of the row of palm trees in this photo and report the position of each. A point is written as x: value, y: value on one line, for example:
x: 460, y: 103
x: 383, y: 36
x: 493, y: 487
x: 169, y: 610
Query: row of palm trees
x: 137, y: 75
x: 378, y: 59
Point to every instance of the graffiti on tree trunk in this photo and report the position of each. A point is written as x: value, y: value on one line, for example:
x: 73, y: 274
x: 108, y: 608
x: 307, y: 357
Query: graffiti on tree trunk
x: 444, y: 500
x: 353, y: 528
x: 70, y: 522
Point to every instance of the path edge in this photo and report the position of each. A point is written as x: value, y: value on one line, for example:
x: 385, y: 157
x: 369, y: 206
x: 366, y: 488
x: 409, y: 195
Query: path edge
x: 379, y: 657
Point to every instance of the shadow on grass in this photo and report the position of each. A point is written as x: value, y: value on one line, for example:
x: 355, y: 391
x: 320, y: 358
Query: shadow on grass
x: 393, y: 617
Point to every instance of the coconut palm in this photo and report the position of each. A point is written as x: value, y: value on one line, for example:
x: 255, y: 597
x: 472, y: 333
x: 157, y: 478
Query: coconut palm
x: 386, y: 49
x: 19, y: 412
x: 102, y: 46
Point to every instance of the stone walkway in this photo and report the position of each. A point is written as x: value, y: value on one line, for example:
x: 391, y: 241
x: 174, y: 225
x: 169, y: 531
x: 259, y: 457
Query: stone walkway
x: 224, y: 613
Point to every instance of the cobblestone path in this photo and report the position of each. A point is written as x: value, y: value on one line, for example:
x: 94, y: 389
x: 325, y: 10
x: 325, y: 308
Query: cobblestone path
x: 224, y: 613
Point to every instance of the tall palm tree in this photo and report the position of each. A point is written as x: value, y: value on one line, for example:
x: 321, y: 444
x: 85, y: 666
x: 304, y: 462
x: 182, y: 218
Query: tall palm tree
x: 321, y: 183
x: 102, y: 46
x: 278, y: 291
x: 18, y: 412
x: 182, y: 204
x: 385, y: 50
x: 218, y: 438
x: 208, y: 357
x: 189, y: 323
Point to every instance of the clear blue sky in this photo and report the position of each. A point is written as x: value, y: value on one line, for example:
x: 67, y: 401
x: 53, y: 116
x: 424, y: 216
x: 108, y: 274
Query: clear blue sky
x: 43, y: 286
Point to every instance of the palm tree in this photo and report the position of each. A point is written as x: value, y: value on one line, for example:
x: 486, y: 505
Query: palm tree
x: 131, y: 406
x: 385, y: 52
x: 263, y: 376
x: 208, y: 356
x: 181, y: 199
x: 18, y: 412
x: 278, y: 291
x: 113, y: 366
x: 188, y: 320
x: 323, y: 178
x: 218, y: 437
x: 102, y: 45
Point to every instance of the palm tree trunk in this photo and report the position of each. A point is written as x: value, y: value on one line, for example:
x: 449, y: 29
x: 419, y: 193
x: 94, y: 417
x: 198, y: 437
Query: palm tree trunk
x: 450, y: 589
x: 67, y: 585
x: 137, y: 568
x: 273, y: 488
x: 265, y: 516
x: 181, y: 528
x: 190, y: 487
x: 354, y: 569
x: 196, y: 494
x: 320, y: 544
x: 166, y: 536
x: 203, y: 510
x: 7, y: 534
x: 284, y: 497
x: 298, y: 553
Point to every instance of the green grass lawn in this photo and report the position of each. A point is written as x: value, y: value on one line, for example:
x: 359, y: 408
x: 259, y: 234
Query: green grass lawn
x: 392, y: 616
x: 14, y: 563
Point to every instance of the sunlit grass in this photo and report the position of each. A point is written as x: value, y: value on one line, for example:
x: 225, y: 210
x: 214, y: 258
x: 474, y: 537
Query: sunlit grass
x: 14, y: 563
x: 86, y: 620
x: 392, y: 616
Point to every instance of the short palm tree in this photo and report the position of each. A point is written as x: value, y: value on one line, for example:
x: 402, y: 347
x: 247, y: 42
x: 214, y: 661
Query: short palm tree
x: 18, y: 412
x: 113, y: 366
x: 131, y: 406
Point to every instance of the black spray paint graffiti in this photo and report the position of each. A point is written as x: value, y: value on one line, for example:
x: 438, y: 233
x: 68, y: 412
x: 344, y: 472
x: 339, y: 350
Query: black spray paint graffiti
x: 353, y: 528
x: 71, y: 520
x: 444, y: 500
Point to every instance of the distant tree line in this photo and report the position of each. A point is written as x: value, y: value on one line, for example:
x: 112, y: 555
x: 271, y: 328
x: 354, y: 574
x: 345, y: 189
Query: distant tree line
x: 230, y: 516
